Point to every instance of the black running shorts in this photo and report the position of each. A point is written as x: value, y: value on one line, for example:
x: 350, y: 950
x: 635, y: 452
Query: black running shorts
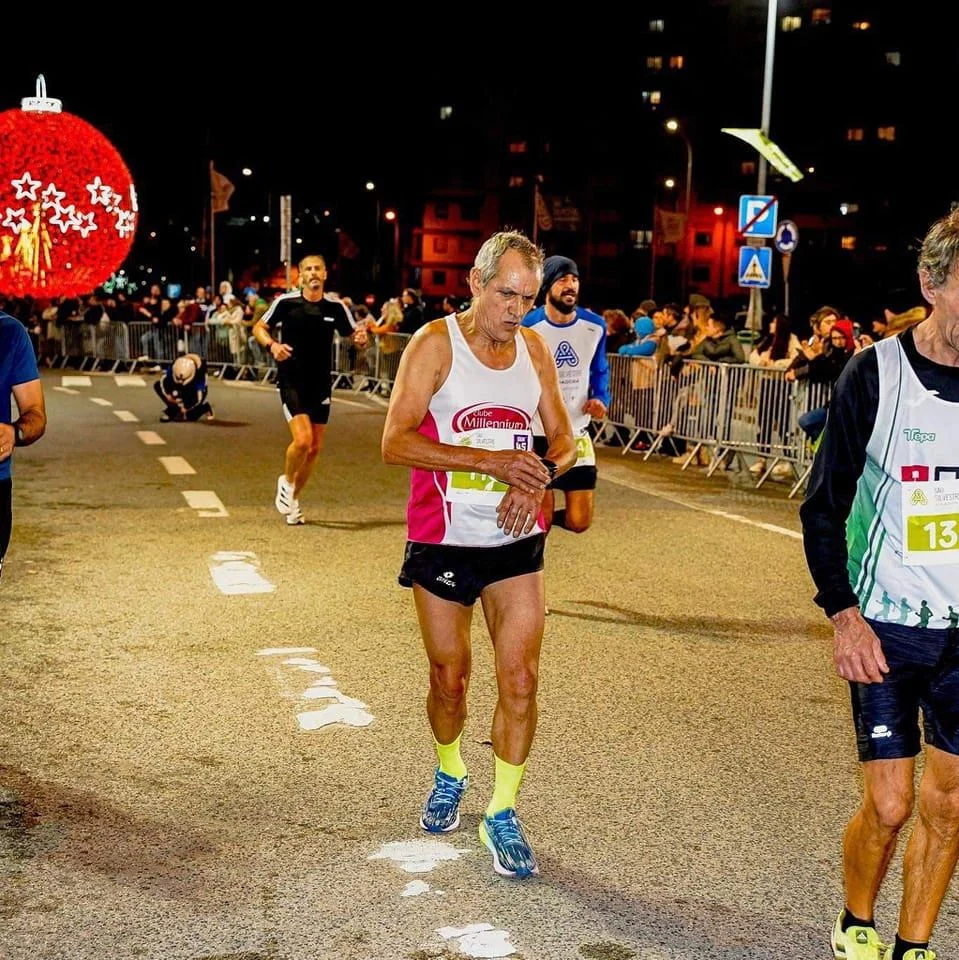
x: 313, y: 400
x: 577, y: 478
x: 461, y: 574
x: 923, y: 675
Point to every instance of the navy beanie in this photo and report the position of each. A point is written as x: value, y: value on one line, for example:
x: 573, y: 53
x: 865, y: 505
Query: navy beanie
x: 556, y: 267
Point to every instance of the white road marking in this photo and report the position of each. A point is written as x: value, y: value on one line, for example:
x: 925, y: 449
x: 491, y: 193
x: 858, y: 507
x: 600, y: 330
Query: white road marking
x: 236, y: 572
x: 127, y: 416
x: 75, y: 381
x: 351, y: 716
x: 206, y: 502
x: 414, y: 888
x: 313, y: 668
x: 65, y: 390
x: 283, y: 651
x: 301, y: 662
x: 151, y: 439
x: 614, y: 475
x: 479, y: 940
x: 129, y: 380
x: 100, y: 402
x: 418, y: 856
x: 176, y: 466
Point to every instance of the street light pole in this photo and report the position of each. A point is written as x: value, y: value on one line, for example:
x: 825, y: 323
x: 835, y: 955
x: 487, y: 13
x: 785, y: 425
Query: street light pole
x: 755, y: 314
x: 673, y: 127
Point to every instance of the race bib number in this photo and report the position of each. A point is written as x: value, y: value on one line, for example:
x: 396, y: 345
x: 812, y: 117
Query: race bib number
x: 930, y: 523
x: 479, y: 488
x: 585, y: 454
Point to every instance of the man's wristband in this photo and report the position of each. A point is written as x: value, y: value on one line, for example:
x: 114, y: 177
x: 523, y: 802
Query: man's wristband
x: 551, y: 466
x: 18, y: 435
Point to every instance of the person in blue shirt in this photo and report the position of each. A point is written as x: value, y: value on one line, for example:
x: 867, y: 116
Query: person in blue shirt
x: 577, y: 340
x: 20, y: 378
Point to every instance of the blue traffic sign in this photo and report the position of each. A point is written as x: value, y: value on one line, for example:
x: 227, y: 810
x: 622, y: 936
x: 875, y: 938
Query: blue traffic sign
x: 757, y: 216
x: 787, y: 236
x: 755, y: 266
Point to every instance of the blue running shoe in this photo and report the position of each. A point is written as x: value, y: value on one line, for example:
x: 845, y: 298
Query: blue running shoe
x: 503, y: 835
x: 441, y: 812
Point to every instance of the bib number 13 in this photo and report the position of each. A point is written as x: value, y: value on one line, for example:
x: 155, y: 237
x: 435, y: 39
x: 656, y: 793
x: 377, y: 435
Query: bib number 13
x: 934, y: 533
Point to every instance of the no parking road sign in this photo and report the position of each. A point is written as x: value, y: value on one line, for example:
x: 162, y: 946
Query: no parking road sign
x: 757, y: 216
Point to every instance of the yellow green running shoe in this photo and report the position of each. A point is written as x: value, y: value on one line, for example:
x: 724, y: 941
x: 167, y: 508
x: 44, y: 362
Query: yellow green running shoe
x: 856, y: 943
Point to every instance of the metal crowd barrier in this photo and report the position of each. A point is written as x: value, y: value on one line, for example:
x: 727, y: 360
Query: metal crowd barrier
x: 731, y: 410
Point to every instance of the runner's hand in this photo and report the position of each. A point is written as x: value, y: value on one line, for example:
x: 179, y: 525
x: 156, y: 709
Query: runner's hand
x: 857, y: 652
x: 595, y: 408
x: 518, y: 468
x: 518, y: 511
x: 280, y: 351
x: 8, y: 437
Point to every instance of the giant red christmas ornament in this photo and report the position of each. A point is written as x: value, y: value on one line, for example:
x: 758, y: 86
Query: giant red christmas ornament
x: 68, y: 208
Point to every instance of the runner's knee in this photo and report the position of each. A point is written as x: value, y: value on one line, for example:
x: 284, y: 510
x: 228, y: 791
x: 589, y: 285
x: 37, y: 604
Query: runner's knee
x: 889, y: 809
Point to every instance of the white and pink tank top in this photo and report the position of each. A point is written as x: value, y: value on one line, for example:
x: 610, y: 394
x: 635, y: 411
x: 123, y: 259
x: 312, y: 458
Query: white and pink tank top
x: 476, y: 407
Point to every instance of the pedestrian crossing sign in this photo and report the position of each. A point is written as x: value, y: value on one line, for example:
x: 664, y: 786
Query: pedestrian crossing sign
x: 755, y: 266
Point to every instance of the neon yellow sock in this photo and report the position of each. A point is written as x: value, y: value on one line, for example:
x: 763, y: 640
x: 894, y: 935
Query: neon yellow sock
x: 506, y: 786
x: 451, y: 763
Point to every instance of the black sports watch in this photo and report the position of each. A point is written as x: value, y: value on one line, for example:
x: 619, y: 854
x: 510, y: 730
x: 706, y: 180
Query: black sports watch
x: 18, y: 433
x: 551, y: 466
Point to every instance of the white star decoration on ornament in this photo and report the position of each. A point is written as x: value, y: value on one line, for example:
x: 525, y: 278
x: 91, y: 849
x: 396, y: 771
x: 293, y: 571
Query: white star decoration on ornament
x: 26, y: 187
x: 52, y: 196
x: 100, y: 192
x: 124, y: 222
x: 86, y: 227
x: 72, y: 221
x: 16, y: 221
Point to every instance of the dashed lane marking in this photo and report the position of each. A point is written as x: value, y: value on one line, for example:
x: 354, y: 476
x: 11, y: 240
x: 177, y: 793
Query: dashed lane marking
x: 237, y: 572
x: 176, y: 466
x: 151, y: 439
x: 205, y: 502
x: 127, y: 416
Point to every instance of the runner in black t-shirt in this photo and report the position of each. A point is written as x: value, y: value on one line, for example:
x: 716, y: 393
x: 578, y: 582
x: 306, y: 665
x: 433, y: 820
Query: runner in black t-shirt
x: 298, y: 330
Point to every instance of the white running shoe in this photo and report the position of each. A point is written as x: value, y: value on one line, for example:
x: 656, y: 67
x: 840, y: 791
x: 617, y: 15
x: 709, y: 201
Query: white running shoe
x: 284, y: 495
x: 295, y: 516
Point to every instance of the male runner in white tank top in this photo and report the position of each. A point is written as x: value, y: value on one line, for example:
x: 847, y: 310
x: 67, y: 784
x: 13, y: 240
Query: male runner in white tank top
x: 881, y: 531
x: 466, y: 393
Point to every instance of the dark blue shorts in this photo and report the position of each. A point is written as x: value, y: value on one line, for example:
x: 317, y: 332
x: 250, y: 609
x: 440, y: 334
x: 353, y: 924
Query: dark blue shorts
x: 923, y: 675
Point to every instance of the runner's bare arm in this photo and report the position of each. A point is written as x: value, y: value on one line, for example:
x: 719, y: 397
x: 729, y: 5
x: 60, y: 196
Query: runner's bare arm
x: 557, y: 426
x: 424, y: 366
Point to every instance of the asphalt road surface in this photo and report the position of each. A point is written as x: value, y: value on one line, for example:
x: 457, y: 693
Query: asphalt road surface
x: 191, y: 771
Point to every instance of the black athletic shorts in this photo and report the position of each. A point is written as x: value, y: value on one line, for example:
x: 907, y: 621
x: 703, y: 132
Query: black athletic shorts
x: 461, y: 574
x: 313, y: 400
x: 923, y: 675
x: 578, y: 478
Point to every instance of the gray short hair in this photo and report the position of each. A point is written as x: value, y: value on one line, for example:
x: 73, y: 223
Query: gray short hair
x: 489, y: 256
x: 940, y: 249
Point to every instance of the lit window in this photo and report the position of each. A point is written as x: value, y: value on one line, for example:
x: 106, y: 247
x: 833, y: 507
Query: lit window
x: 894, y: 58
x: 676, y: 63
x: 655, y: 97
x: 849, y: 243
x: 887, y: 133
x: 861, y: 25
x: 654, y: 63
x: 855, y: 134
x: 516, y: 181
x: 747, y: 168
x: 822, y: 15
x: 657, y: 26
x: 518, y: 147
x: 446, y: 113
x: 847, y: 208
x: 791, y: 23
